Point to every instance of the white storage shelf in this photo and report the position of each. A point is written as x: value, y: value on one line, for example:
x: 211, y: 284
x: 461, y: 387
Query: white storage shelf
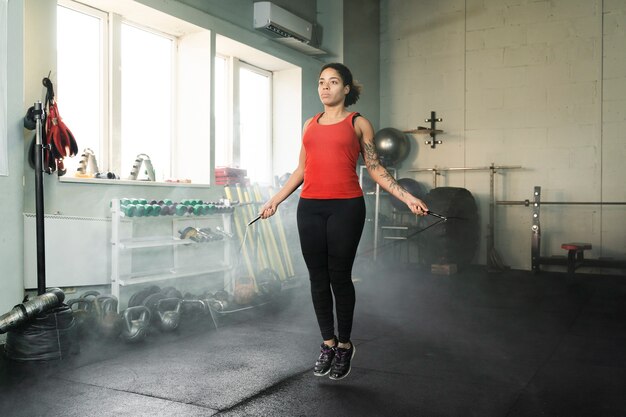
x: 168, y: 256
x: 152, y: 242
x: 160, y: 275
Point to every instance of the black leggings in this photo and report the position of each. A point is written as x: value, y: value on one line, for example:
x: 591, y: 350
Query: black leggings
x: 330, y: 231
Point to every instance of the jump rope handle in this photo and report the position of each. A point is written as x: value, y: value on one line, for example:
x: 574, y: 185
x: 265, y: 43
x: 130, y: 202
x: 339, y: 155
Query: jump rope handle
x: 254, y: 220
x: 436, y: 215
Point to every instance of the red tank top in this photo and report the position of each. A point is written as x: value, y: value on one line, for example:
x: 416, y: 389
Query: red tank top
x: 332, y: 152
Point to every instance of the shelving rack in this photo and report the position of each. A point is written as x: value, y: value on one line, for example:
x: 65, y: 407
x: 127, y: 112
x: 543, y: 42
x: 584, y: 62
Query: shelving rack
x: 185, y: 260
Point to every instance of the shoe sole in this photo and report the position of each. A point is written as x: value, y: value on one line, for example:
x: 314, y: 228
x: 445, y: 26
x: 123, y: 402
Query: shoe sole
x: 324, y: 374
x: 349, y: 369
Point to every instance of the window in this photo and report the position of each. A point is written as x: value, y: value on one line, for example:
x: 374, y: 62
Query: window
x: 254, y: 122
x: 80, y: 88
x: 146, y: 98
x: 144, y: 92
x: 243, y: 116
x: 133, y: 80
x: 223, y: 142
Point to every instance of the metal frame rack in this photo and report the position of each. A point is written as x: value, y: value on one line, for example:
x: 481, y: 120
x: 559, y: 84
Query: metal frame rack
x: 377, y: 193
x: 536, y: 259
x: 123, y: 243
x: 492, y: 256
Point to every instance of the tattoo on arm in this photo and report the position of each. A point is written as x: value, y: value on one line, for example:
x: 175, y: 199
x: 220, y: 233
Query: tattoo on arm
x: 393, y: 184
x: 373, y: 164
x: 370, y: 155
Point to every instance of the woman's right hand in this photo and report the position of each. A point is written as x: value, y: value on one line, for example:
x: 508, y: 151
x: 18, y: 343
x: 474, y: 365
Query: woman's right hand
x: 268, y: 209
x: 417, y: 206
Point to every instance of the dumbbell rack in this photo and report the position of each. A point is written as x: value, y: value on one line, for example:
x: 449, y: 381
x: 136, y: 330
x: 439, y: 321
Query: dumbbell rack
x: 130, y: 235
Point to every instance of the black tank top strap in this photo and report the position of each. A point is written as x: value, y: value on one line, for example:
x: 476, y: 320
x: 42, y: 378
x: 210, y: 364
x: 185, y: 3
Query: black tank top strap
x: 354, y: 116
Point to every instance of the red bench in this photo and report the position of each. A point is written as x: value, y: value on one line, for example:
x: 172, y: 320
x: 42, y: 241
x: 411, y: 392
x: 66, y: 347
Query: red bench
x: 575, y: 255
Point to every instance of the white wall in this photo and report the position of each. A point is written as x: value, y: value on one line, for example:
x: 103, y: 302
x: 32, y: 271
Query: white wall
x: 4, y: 160
x: 533, y: 83
x: 11, y: 230
x: 287, y: 127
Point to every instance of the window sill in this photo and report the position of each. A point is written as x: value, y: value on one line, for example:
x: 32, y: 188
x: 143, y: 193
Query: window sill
x: 130, y: 182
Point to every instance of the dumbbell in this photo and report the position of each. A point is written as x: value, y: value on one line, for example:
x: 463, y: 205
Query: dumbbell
x: 128, y: 210
x: 181, y: 209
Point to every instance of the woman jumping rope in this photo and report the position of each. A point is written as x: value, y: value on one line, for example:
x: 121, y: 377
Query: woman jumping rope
x: 331, y: 210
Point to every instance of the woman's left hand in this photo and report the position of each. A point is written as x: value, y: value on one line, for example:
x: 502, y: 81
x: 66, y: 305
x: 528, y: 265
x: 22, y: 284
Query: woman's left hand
x: 417, y: 206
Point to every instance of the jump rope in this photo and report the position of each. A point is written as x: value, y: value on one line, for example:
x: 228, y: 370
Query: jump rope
x: 238, y: 265
x: 441, y: 219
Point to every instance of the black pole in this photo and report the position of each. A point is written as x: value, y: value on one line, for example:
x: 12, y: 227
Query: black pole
x: 39, y: 212
x: 535, y: 240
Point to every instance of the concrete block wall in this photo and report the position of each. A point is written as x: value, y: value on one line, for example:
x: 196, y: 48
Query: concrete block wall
x: 613, y: 152
x: 361, y: 51
x: 518, y: 82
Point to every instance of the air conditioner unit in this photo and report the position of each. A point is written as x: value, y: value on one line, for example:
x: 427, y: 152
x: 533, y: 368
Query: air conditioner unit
x: 285, y: 27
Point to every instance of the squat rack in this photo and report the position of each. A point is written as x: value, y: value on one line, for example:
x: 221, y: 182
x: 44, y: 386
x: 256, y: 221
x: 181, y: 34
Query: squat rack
x: 536, y: 258
x: 493, y: 259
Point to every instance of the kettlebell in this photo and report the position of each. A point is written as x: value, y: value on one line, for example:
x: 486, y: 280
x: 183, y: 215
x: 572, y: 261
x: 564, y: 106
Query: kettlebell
x: 244, y: 292
x: 168, y: 310
x: 90, y: 295
x: 109, y: 322
x: 83, y: 312
x: 268, y: 283
x: 135, y: 323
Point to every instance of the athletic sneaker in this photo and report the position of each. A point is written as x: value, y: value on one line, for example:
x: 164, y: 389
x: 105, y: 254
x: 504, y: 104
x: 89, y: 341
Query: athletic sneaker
x: 342, y: 363
x: 324, y: 362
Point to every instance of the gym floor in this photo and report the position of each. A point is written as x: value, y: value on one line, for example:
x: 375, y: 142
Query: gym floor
x: 470, y: 344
